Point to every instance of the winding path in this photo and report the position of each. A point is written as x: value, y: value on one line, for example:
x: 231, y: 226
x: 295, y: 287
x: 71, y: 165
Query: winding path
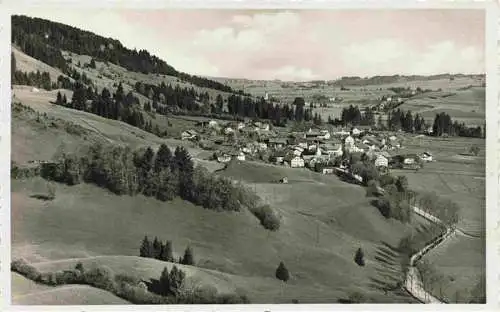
x: 413, y: 283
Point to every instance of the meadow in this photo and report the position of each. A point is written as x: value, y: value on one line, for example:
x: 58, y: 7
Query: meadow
x: 460, y: 178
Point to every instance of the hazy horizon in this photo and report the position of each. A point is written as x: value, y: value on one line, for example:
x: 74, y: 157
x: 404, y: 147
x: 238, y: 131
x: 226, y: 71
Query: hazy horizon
x: 294, y: 45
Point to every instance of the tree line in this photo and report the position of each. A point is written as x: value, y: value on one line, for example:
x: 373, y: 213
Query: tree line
x: 174, y: 99
x: 443, y: 124
x: 172, y: 287
x: 44, y: 40
x: 156, y: 249
x: 163, y: 175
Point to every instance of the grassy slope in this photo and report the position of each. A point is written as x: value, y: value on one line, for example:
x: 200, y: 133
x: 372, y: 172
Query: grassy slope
x: 60, y: 229
x: 25, y: 292
x: 28, y: 64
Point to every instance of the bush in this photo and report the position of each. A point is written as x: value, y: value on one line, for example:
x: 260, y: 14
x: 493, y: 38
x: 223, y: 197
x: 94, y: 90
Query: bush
x: 267, y: 217
x: 282, y: 272
x: 372, y: 188
x: 359, y: 257
x: 100, y: 277
x: 22, y: 267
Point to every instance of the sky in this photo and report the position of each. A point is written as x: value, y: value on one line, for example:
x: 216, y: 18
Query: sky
x: 295, y: 45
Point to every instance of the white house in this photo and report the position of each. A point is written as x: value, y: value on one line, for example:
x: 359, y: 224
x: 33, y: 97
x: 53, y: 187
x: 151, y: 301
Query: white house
x: 228, y: 130
x: 241, y: 126
x: 381, y: 161
x: 426, y: 156
x: 324, y: 135
x: 341, y: 133
x: 356, y: 131
x: 328, y: 170
x: 189, y: 135
x: 349, y: 142
x: 240, y: 156
x: 297, y: 162
x: 213, y: 124
x: 224, y: 158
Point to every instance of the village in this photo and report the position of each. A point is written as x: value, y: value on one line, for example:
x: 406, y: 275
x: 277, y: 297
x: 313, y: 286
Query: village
x: 317, y: 148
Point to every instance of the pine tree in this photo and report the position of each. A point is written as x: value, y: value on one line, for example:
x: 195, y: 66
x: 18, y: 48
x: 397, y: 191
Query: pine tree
x: 164, y: 282
x: 168, y: 252
x: 163, y: 158
x: 146, y: 248
x: 92, y: 63
x: 282, y: 272
x: 359, y: 257
x: 59, y: 100
x: 176, y: 279
x: 156, y: 248
x: 188, y: 258
x: 64, y: 100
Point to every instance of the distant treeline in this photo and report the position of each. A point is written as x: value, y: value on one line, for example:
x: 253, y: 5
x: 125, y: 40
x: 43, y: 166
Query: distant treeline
x: 169, y: 99
x: 378, y: 80
x: 44, y: 40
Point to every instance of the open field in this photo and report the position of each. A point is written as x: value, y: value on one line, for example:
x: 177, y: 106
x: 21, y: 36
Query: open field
x: 461, y: 261
x: 460, y: 178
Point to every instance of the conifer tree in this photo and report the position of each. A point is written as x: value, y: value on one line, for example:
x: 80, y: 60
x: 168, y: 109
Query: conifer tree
x: 156, y: 248
x: 188, y: 258
x: 282, y: 272
x: 176, y: 280
x: 59, y: 100
x: 359, y: 257
x: 169, y: 253
x: 146, y: 248
x: 164, y: 282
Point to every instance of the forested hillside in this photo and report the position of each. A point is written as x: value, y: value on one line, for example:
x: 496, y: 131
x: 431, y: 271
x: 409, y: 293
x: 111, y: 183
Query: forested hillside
x: 44, y: 40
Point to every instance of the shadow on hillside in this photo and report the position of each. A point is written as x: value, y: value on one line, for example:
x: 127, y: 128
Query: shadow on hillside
x: 390, y: 274
x: 153, y: 286
x: 41, y: 197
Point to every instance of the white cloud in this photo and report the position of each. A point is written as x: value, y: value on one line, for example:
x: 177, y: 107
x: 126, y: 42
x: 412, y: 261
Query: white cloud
x: 387, y: 57
x: 291, y: 73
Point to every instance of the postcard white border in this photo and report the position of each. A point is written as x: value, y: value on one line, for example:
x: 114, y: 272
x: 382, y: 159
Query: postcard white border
x: 492, y: 147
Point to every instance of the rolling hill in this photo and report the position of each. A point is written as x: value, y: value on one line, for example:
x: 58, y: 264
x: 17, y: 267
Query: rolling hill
x: 323, y: 220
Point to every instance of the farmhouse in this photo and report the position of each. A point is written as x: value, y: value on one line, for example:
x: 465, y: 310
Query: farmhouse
x: 224, y: 158
x: 334, y: 150
x: 381, y: 162
x: 297, y: 162
x: 328, y: 170
x: 426, y: 156
x: 189, y: 135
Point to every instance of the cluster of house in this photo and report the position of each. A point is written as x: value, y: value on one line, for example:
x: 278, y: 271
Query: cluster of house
x: 300, y: 149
